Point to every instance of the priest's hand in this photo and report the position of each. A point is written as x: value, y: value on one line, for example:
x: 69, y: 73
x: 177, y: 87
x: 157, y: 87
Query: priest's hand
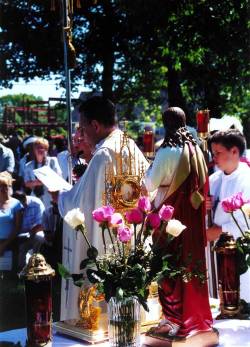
x: 213, y: 233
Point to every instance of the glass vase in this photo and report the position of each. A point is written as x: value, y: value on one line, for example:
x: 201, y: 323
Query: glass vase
x: 124, y: 319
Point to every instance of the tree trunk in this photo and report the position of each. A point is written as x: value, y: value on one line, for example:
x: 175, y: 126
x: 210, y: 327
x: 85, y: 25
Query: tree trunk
x: 175, y: 97
x: 108, y: 52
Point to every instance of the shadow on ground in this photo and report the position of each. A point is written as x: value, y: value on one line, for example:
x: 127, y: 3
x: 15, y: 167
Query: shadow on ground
x: 12, y: 302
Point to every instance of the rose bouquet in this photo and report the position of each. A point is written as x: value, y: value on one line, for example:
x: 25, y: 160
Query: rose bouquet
x: 130, y: 260
x: 236, y: 205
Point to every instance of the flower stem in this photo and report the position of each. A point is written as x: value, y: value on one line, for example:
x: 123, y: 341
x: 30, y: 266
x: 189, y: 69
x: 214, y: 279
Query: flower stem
x: 135, y: 235
x: 81, y: 228
x: 140, y: 232
x: 236, y: 222
x: 103, y: 239
x: 111, y: 238
x: 88, y: 243
x: 245, y: 218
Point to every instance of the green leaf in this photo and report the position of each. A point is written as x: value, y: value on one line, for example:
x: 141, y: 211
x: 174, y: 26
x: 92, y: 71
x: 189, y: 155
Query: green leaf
x: 77, y: 277
x: 92, y: 253
x: 63, y: 271
x: 93, y: 276
x: 119, y: 293
x: 79, y: 283
x: 85, y: 262
x: 248, y: 261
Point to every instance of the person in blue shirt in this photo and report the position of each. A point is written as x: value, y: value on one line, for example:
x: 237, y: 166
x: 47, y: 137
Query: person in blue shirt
x: 10, y: 213
x: 7, y: 160
x: 31, y: 229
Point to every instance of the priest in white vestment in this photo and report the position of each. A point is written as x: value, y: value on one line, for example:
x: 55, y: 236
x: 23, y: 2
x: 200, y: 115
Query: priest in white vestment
x: 97, y: 120
x: 233, y: 177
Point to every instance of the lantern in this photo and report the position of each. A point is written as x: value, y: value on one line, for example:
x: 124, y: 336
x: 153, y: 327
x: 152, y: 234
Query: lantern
x: 202, y: 119
x: 148, y: 142
x: 228, y: 276
x: 37, y: 275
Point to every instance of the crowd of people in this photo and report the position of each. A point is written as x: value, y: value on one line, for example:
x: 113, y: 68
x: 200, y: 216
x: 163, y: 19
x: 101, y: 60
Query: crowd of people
x: 178, y: 174
x: 29, y: 217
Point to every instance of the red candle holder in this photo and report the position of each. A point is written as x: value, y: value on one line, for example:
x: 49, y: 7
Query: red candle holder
x: 202, y: 119
x: 37, y: 276
x: 148, y: 142
x: 228, y: 276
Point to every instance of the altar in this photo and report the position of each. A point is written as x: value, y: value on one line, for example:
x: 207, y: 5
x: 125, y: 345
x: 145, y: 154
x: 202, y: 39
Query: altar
x: 233, y: 333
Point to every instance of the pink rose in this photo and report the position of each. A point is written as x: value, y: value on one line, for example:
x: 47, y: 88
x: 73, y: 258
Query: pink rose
x: 124, y: 234
x: 233, y: 203
x: 166, y: 212
x: 134, y: 216
x: 144, y: 204
x: 115, y: 220
x: 103, y: 214
x: 154, y: 220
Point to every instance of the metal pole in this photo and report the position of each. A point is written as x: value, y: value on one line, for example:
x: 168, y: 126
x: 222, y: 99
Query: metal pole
x: 66, y: 25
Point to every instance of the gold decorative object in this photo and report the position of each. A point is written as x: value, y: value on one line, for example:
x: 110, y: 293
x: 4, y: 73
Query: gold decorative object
x: 37, y: 269
x: 89, y: 313
x: 123, y: 183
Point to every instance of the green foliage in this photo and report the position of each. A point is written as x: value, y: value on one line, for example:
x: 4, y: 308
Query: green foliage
x: 196, y: 51
x: 17, y: 99
x: 243, y: 254
x: 63, y: 271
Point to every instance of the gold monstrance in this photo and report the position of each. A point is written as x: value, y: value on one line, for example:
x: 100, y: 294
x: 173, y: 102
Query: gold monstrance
x: 123, y: 180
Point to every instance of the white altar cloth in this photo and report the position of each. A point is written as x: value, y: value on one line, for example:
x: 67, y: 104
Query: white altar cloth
x: 233, y: 333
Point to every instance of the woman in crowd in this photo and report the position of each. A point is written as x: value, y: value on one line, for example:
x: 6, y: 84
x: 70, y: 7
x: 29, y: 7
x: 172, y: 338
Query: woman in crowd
x: 10, y: 213
x: 41, y: 158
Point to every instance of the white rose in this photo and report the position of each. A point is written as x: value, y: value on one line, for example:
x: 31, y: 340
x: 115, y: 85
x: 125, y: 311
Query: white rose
x: 246, y: 209
x: 74, y: 218
x: 175, y: 227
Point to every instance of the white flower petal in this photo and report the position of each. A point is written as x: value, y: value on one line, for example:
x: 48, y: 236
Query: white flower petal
x: 74, y: 218
x: 175, y: 227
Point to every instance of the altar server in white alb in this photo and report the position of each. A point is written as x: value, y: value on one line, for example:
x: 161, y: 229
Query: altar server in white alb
x: 233, y: 177
x: 97, y: 122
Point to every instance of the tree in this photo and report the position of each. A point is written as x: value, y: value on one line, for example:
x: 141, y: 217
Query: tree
x: 197, y: 51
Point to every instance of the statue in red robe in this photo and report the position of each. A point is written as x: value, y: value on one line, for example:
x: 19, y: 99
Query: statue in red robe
x: 179, y: 174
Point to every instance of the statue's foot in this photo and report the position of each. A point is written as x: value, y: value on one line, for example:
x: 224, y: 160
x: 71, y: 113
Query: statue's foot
x: 160, y: 339
x: 165, y: 329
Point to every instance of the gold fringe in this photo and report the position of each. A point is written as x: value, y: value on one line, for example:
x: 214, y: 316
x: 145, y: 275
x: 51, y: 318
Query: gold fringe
x: 78, y: 4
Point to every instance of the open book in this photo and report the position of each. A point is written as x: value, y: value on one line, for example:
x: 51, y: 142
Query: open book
x: 51, y: 179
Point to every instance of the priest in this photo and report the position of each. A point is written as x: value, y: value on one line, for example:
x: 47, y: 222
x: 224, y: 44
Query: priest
x: 98, y: 125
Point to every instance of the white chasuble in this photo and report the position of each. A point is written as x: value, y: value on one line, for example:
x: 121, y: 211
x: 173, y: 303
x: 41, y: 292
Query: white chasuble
x: 87, y: 194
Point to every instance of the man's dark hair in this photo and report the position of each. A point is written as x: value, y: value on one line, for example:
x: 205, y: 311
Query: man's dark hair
x: 229, y: 139
x: 100, y: 109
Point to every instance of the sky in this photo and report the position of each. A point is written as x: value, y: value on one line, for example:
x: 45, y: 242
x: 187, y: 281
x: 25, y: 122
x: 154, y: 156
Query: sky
x: 37, y: 87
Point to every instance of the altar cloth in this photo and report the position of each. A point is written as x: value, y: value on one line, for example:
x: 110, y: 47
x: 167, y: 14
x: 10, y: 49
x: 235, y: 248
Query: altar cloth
x: 233, y: 333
